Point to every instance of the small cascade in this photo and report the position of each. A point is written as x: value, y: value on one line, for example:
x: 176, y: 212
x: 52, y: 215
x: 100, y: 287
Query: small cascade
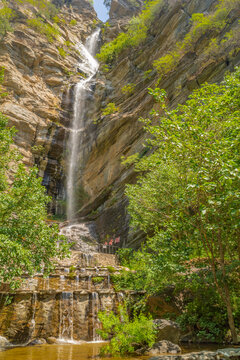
x: 89, y: 282
x: 77, y: 282
x: 88, y: 260
x: 33, y: 322
x: 66, y: 317
x: 95, y: 320
x: 46, y: 283
x: 108, y: 281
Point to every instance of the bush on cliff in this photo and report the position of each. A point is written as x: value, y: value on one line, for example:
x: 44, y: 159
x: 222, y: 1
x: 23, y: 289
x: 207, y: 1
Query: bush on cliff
x: 27, y: 243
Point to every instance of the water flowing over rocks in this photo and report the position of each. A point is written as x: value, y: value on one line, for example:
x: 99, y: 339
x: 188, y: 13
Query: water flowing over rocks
x: 62, y: 307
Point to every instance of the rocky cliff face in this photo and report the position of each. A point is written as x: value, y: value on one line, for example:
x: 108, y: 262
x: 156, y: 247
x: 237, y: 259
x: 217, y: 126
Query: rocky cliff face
x: 121, y: 134
x: 39, y: 76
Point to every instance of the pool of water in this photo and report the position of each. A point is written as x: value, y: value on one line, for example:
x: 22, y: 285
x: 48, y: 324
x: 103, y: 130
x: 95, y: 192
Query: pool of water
x: 58, y: 352
x: 86, y: 351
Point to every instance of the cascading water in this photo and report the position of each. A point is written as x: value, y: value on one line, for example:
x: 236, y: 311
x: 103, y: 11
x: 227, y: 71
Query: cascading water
x: 95, y: 321
x: 66, y: 316
x: 89, y: 66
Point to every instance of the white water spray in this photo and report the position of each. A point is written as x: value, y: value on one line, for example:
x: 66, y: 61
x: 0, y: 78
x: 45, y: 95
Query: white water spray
x: 89, y: 66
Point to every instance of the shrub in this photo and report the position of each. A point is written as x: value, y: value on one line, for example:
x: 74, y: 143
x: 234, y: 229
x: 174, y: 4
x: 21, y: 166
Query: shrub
x: 43, y: 28
x: 110, y: 109
x: 62, y: 52
x: 126, y: 335
x: 128, y: 89
x: 97, y: 279
x: 73, y: 22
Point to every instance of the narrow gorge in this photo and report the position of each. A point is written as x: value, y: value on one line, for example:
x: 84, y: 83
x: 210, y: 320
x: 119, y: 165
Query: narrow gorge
x: 75, y: 88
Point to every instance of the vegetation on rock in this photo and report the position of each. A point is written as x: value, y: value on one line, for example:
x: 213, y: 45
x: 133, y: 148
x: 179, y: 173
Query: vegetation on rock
x: 110, y: 109
x: 136, y: 33
x: 210, y: 26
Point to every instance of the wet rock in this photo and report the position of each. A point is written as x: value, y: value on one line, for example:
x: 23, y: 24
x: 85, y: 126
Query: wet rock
x: 3, y: 342
x: 37, y: 342
x: 164, y: 347
x: 222, y: 354
x: 83, y: 236
x: 52, y: 340
x: 167, y: 330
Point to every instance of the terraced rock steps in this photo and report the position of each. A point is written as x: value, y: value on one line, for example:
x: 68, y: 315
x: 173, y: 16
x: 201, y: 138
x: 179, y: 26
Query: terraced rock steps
x: 63, y: 306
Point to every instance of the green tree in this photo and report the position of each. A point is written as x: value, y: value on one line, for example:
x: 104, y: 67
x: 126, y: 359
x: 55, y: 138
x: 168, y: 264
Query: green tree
x: 27, y: 243
x: 187, y: 195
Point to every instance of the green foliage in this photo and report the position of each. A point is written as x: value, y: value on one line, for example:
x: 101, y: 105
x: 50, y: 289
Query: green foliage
x: 126, y: 334
x: 51, y: 32
x: 6, y: 15
x: 44, y: 7
x: 97, y: 280
x: 204, y: 313
x: 128, y: 89
x: 212, y: 24
x: 27, y: 243
x: 111, y: 269
x: 136, y: 33
x: 110, y: 109
x: 124, y: 255
x: 38, y: 150
x: 188, y: 195
x: 62, y: 52
x: 2, y: 72
x: 73, y: 22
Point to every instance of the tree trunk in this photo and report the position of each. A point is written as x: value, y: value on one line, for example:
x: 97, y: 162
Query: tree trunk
x: 230, y: 316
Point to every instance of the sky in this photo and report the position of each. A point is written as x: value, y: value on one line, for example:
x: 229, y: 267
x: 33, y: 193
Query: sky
x: 101, y: 10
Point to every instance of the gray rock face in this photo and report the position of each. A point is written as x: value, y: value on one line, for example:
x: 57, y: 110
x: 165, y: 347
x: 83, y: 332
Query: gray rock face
x: 121, y: 8
x: 164, y: 347
x: 167, y: 330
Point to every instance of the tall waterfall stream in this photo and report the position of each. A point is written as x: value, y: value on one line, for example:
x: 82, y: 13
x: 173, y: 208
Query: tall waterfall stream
x: 88, y: 66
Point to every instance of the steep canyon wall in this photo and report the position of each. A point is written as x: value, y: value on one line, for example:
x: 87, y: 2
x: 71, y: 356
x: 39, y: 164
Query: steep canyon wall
x: 40, y: 85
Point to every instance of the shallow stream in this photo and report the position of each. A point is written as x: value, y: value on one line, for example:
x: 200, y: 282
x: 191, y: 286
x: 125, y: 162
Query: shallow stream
x: 84, y: 351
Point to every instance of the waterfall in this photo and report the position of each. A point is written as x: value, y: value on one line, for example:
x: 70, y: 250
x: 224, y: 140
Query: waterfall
x: 89, y: 66
x: 95, y: 321
x: 66, y: 316
x: 33, y: 322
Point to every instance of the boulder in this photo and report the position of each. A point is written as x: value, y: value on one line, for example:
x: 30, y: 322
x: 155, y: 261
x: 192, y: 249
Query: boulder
x: 164, y: 347
x: 52, y: 340
x: 167, y: 330
x: 37, y: 342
